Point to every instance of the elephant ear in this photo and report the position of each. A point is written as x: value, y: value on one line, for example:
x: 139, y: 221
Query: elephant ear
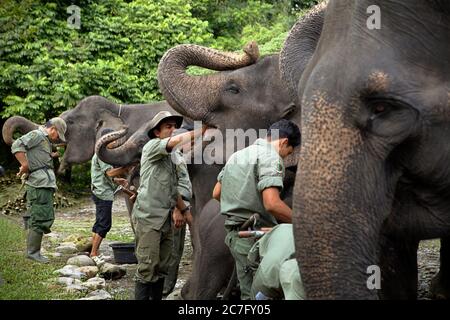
x: 300, y: 45
x: 107, y: 120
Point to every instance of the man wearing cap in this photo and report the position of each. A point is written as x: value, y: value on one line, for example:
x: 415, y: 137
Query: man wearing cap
x: 249, y: 183
x: 34, y: 153
x: 153, y: 212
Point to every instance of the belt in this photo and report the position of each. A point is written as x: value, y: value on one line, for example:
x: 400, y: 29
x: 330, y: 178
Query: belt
x: 45, y: 168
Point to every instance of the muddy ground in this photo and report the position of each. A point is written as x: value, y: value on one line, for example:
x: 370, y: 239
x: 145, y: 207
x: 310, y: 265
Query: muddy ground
x: 78, y: 218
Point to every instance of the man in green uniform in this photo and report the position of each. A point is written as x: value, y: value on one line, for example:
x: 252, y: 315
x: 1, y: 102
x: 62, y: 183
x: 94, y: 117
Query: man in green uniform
x: 250, y: 183
x: 34, y: 153
x: 157, y: 197
x: 103, y: 185
x: 276, y: 272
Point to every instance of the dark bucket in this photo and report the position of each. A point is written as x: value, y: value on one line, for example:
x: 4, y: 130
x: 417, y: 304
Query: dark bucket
x: 123, y: 253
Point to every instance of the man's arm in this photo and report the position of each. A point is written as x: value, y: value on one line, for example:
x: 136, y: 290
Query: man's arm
x: 22, y: 158
x: 186, y: 137
x: 275, y: 206
x: 217, y: 190
x: 178, y: 216
x: 114, y: 172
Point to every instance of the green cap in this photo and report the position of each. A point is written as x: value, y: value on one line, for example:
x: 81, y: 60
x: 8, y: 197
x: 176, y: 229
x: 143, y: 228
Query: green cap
x: 60, y: 126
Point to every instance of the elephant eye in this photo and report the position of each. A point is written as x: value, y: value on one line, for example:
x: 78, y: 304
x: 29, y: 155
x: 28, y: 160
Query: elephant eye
x: 378, y: 108
x: 234, y: 89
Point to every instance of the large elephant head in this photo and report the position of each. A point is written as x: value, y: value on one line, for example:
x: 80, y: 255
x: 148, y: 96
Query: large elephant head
x: 246, y: 93
x: 375, y: 122
x: 84, y: 125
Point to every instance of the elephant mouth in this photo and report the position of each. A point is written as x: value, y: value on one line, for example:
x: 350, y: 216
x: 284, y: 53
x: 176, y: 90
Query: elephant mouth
x: 289, y: 112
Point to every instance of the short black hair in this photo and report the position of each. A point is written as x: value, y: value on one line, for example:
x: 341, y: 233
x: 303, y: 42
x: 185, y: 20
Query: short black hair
x: 106, y: 131
x: 286, y: 129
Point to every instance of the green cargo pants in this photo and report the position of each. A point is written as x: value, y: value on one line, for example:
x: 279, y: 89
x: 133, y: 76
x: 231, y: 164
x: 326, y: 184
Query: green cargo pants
x: 239, y: 248
x: 177, y: 253
x: 40, y: 209
x: 153, y: 250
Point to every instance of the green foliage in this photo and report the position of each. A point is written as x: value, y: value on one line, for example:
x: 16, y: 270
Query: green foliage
x: 48, y: 67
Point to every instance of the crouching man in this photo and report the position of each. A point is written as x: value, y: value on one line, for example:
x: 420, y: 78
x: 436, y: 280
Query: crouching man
x: 276, y: 274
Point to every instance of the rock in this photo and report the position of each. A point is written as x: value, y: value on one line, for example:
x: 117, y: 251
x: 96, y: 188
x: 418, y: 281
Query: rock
x: 55, y: 254
x: 74, y: 288
x: 70, y: 271
x: 67, y: 249
x: 84, y: 244
x: 175, y: 295
x: 95, y: 283
x: 81, y: 261
x: 68, y: 281
x: 98, y: 295
x: 89, y: 271
x: 111, y: 271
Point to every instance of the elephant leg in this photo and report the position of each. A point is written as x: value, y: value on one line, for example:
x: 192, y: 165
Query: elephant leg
x: 440, y: 285
x: 398, y: 264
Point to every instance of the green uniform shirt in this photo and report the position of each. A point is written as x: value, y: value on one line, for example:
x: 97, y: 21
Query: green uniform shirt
x: 38, y: 149
x: 184, y: 183
x: 245, y: 175
x: 102, y: 186
x: 157, y: 193
x: 277, y: 272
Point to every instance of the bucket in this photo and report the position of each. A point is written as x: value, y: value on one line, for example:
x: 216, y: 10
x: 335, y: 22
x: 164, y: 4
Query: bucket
x: 123, y: 253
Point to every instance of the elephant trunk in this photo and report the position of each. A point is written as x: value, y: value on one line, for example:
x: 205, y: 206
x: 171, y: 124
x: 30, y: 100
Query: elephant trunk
x: 16, y: 123
x: 193, y: 96
x: 341, y: 198
x: 127, y: 152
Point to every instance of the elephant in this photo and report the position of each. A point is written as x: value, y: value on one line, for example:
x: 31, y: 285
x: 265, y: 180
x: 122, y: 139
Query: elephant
x: 85, y: 123
x: 373, y: 177
x: 250, y: 96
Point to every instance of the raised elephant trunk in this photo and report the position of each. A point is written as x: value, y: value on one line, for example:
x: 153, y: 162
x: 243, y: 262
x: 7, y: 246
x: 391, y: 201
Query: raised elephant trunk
x: 193, y: 96
x: 16, y: 123
x: 340, y: 203
x: 120, y: 156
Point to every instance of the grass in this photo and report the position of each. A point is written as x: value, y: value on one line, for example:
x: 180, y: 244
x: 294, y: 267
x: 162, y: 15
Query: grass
x: 21, y: 278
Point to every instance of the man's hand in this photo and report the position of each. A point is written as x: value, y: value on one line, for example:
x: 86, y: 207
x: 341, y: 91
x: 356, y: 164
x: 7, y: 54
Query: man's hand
x: 22, y: 158
x: 54, y: 154
x: 121, y: 181
x: 23, y: 170
x: 178, y: 218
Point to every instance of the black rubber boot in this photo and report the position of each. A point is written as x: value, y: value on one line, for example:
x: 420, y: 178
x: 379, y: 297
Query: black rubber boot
x: 34, y: 241
x: 143, y: 291
x: 158, y: 287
